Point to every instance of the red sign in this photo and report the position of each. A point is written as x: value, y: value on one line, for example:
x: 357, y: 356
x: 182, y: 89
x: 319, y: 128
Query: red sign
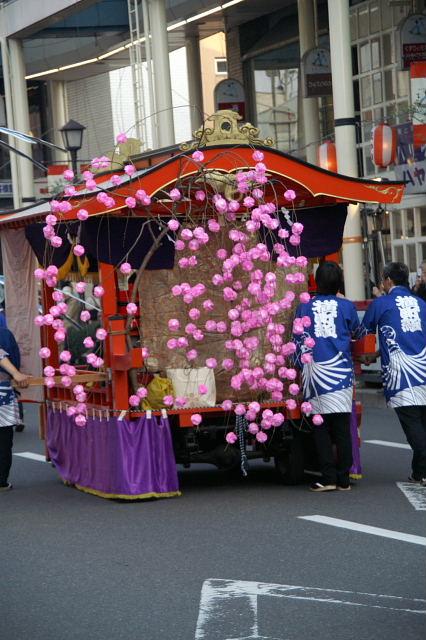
x: 239, y: 107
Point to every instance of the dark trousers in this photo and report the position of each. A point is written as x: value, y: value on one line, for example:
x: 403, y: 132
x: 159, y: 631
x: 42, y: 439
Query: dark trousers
x: 413, y: 422
x: 335, y: 430
x: 6, y: 443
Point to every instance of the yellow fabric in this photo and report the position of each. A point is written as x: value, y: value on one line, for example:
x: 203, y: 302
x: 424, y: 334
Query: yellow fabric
x: 157, y: 389
x: 66, y: 267
x: 83, y: 265
x: 122, y: 496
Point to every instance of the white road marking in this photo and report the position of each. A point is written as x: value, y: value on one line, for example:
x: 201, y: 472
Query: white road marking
x: 365, y: 528
x: 31, y: 456
x: 415, y: 494
x: 229, y: 608
x: 387, y: 443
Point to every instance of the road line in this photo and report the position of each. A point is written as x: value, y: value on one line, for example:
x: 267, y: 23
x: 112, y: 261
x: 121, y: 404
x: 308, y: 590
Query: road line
x: 387, y: 443
x: 31, y: 456
x: 415, y: 494
x: 365, y: 528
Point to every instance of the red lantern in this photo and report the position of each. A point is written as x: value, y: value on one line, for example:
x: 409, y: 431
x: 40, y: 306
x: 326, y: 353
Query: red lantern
x: 383, y: 152
x: 327, y: 158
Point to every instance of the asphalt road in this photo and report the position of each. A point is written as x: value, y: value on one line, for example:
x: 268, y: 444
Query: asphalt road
x: 211, y: 564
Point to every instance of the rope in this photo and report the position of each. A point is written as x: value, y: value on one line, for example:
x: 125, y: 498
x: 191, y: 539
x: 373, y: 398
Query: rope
x: 240, y: 429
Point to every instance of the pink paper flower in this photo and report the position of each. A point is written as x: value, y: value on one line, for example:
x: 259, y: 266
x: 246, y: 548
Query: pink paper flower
x: 82, y: 214
x: 141, y: 392
x: 168, y: 400
x: 65, y: 355
x: 126, y: 268
x: 116, y: 180
x: 196, y: 419
x: 78, y: 250
x: 88, y: 342
x: 240, y: 410
x: 101, y: 334
x: 56, y: 242
x: 175, y: 195
x: 80, y: 420
x: 227, y: 405
x: 192, y: 354
x: 68, y: 174
x: 290, y: 194
x: 131, y: 309
x: 121, y: 138
x: 44, y: 352
x: 130, y: 169
x: 202, y: 389
x: 306, y: 408
x: 134, y: 401
x: 98, y: 291
x: 198, y: 156
x: 261, y: 437
x: 211, y: 363
x: 85, y: 316
x: 231, y: 437
x: 317, y: 420
x: 173, y: 324
x: 130, y: 202
x: 173, y: 225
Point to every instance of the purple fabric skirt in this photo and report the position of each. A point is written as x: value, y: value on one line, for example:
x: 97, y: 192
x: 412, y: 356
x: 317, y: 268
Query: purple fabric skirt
x: 127, y: 459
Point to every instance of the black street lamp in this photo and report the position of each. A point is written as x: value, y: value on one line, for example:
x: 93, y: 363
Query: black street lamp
x: 72, y: 136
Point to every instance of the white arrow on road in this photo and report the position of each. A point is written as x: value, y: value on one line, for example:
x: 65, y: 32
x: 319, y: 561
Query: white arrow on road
x: 31, y: 456
x: 365, y: 528
x: 388, y: 443
x: 230, y: 608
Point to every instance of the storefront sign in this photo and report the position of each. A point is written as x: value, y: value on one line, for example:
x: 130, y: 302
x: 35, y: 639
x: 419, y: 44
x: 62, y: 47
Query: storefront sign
x: 411, y: 160
x: 229, y: 94
x: 418, y: 102
x: 413, y: 40
x: 316, y: 72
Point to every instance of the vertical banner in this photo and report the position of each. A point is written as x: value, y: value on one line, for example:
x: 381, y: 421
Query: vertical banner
x: 418, y: 102
x: 22, y: 302
x: 411, y: 161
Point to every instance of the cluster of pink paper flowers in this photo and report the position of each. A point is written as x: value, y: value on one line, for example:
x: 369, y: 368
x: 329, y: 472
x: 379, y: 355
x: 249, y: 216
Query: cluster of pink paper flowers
x: 254, y: 306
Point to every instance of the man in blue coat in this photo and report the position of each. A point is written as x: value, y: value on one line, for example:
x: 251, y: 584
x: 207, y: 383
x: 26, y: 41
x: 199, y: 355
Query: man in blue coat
x: 323, y: 353
x: 400, y: 318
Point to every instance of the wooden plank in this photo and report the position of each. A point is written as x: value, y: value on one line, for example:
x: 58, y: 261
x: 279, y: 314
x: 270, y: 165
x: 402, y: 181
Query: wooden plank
x: 77, y: 379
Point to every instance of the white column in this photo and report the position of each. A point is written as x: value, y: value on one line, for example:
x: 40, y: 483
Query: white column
x: 344, y: 122
x: 10, y: 124
x: 162, y: 82
x: 195, y: 80
x: 307, y: 40
x: 21, y: 118
x: 58, y: 106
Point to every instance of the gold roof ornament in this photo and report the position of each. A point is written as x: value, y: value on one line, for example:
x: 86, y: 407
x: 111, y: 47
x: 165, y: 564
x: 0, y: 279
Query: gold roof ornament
x: 226, y: 130
x: 121, y: 154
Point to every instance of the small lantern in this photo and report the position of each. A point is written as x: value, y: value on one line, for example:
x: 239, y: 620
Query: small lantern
x: 327, y: 158
x: 383, y: 147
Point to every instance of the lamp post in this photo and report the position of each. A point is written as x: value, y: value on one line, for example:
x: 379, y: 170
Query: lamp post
x: 72, y: 136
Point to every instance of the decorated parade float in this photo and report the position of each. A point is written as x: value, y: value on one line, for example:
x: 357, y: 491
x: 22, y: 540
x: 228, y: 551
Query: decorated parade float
x: 168, y: 286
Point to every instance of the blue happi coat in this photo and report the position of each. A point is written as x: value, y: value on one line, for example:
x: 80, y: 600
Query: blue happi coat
x: 328, y: 379
x: 400, y: 318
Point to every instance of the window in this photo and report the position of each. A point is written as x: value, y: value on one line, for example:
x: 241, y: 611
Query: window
x: 423, y: 221
x: 221, y: 66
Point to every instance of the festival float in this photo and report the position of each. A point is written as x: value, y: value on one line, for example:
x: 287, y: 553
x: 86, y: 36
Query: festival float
x: 169, y: 284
